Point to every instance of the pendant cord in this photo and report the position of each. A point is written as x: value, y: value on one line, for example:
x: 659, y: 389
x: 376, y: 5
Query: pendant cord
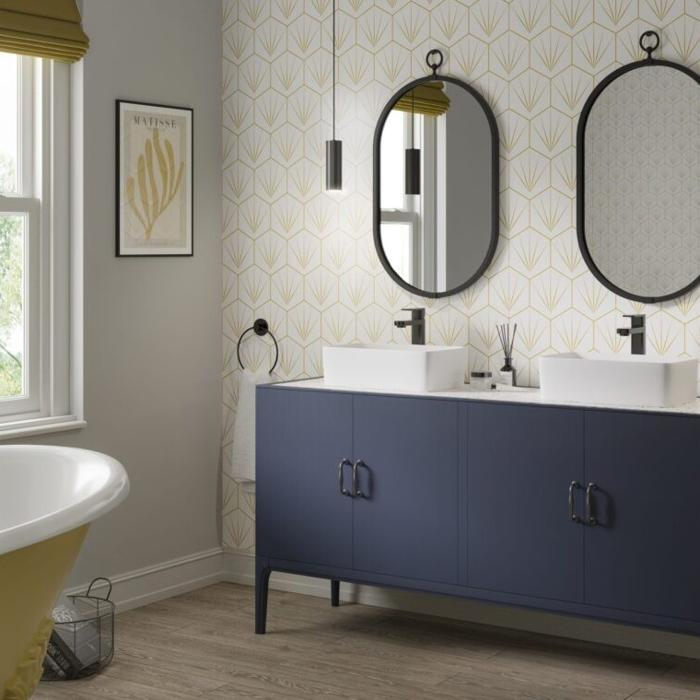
x: 334, y: 69
x: 413, y: 117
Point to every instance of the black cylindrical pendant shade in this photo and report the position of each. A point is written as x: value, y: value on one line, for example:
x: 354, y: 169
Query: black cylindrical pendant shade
x: 413, y: 171
x: 334, y: 165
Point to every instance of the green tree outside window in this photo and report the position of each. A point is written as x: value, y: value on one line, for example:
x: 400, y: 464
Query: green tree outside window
x: 11, y: 253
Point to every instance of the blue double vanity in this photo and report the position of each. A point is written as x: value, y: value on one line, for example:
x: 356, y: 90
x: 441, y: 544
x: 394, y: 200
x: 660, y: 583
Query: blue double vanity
x: 521, y: 498
x: 592, y: 512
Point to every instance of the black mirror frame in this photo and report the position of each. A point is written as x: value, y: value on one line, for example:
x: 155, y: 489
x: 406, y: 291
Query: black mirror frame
x: 495, y: 184
x: 581, y: 170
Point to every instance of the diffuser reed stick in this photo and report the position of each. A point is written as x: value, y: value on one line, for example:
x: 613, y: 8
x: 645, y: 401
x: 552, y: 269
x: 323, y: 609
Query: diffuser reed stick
x: 507, y: 341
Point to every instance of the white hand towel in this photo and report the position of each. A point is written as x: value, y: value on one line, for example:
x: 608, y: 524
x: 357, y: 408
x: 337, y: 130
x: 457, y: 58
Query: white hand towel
x: 243, y: 450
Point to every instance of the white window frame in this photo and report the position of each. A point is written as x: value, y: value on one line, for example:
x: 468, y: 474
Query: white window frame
x: 430, y: 164
x: 427, y: 225
x: 44, y: 178
x: 408, y: 215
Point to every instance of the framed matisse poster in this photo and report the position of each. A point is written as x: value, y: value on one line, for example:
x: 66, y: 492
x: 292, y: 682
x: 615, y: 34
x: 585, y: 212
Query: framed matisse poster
x: 154, y: 180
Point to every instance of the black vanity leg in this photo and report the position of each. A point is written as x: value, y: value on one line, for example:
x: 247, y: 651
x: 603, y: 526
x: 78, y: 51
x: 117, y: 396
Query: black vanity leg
x: 262, y: 581
x: 335, y: 593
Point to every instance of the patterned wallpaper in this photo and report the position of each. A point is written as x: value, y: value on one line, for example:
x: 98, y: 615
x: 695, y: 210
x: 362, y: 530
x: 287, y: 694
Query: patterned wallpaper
x: 304, y: 258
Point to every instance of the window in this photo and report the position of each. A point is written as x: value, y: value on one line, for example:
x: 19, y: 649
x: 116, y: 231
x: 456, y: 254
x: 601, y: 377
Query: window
x: 400, y: 214
x: 413, y: 226
x: 34, y: 245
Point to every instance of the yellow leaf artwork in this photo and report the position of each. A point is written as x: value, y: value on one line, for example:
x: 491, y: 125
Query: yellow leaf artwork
x: 157, y: 182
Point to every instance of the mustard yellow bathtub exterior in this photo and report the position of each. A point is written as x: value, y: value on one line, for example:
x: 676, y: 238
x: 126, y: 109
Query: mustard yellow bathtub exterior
x: 30, y: 581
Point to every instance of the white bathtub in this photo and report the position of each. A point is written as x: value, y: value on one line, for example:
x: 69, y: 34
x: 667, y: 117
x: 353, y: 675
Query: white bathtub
x: 48, y: 497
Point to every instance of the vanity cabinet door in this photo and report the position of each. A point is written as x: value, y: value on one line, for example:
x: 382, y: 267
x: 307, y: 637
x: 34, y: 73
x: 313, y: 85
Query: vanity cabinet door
x: 301, y: 438
x: 407, y: 523
x: 642, y: 555
x: 521, y: 462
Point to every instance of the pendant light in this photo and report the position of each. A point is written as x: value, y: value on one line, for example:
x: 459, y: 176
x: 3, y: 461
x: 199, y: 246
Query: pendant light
x: 334, y: 148
x: 412, y: 163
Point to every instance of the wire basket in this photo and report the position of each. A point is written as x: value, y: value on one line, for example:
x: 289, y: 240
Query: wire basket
x: 82, y: 641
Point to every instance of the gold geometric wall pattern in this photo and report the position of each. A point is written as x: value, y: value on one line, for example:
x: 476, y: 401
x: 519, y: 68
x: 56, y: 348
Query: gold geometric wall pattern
x: 304, y: 258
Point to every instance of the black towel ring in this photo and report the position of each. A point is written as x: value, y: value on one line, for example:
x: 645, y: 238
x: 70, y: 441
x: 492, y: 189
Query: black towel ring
x: 261, y: 328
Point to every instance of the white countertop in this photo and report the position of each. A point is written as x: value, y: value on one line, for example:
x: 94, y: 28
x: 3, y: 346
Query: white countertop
x: 502, y: 394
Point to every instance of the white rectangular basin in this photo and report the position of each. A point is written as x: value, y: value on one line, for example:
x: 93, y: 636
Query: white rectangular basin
x: 395, y: 367
x: 627, y: 380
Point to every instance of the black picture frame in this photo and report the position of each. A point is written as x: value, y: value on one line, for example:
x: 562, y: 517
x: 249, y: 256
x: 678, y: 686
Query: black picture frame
x: 581, y: 172
x: 118, y: 176
x: 495, y: 186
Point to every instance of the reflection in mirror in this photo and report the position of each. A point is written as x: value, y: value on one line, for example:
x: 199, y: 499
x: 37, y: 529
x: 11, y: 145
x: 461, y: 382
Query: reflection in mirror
x: 639, y: 227
x: 437, y: 206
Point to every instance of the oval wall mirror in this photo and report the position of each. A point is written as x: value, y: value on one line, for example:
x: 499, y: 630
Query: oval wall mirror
x: 436, y: 184
x: 638, y: 200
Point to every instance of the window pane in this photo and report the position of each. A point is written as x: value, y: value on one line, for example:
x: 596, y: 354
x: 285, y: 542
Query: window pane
x: 396, y: 241
x: 392, y: 158
x: 12, y: 234
x: 9, y: 128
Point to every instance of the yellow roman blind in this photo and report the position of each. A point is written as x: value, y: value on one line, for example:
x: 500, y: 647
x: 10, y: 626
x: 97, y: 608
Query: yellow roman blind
x: 428, y: 99
x: 44, y: 28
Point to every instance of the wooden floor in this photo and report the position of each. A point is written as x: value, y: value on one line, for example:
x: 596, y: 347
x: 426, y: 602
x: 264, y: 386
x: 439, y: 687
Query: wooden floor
x: 201, y: 645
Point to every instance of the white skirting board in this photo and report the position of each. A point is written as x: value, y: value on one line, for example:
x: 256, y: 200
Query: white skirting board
x: 139, y: 587
x: 176, y: 576
x: 239, y: 568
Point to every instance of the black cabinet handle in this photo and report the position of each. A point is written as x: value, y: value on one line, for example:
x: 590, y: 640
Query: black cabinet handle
x: 573, y: 486
x: 355, y: 483
x: 590, y: 518
x: 341, y: 468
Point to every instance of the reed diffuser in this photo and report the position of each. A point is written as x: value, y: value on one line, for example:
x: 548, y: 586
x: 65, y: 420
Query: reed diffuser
x: 507, y: 340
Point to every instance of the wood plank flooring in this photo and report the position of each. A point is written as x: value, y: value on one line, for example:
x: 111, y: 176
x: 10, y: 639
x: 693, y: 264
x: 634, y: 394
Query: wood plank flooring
x: 201, y: 645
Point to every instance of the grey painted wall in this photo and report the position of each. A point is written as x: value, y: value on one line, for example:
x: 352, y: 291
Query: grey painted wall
x: 468, y: 186
x: 152, y: 326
